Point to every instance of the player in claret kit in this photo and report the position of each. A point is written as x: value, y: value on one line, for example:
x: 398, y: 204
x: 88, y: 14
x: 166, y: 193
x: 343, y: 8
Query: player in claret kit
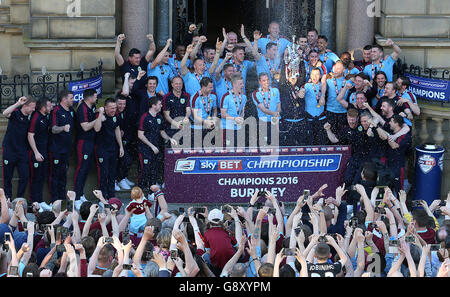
x: 139, y: 205
x: 15, y: 144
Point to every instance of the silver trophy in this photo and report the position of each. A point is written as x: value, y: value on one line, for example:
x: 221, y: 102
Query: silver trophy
x: 292, y: 59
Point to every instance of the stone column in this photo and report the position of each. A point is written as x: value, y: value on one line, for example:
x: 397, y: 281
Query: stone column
x: 328, y: 23
x: 135, y: 25
x: 360, y: 30
x: 162, y: 22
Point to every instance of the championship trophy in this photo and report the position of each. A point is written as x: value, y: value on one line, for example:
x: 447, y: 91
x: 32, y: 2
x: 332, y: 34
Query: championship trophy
x: 292, y: 60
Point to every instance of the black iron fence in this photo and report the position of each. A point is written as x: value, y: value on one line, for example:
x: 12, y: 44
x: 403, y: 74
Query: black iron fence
x: 41, y: 85
x: 427, y: 73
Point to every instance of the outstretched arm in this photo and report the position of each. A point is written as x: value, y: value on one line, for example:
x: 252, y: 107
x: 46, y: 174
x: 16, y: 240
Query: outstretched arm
x: 117, y: 55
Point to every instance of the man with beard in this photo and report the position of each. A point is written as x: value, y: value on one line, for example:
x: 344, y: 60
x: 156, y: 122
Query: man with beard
x: 38, y: 134
x: 175, y: 60
x: 358, y: 105
x: 223, y: 83
x: 361, y: 85
x: 379, y: 63
x: 327, y: 58
x: 349, y: 66
x: 135, y: 62
x: 351, y: 134
x: 367, y: 58
x: 124, y: 163
x: 313, y: 35
x: 204, y: 111
x: 403, y: 83
x: 312, y: 63
x: 401, y: 109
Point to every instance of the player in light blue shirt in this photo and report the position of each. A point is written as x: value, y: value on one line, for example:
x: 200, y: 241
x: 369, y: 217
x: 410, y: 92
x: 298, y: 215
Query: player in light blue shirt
x: 175, y: 60
x: 268, y: 106
x: 161, y: 69
x: 223, y: 83
x: 327, y: 58
x: 315, y: 110
x: 336, y: 113
x: 274, y: 36
x: 380, y: 63
x: 232, y: 109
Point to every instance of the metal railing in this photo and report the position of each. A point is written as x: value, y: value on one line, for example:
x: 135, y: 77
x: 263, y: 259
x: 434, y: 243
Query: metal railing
x: 41, y: 85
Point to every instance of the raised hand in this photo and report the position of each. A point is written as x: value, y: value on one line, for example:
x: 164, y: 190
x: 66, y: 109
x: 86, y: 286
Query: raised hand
x: 192, y: 28
x: 121, y: 38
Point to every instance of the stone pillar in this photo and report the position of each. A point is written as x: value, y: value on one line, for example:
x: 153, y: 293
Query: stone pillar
x: 360, y: 30
x: 135, y: 25
x: 162, y: 22
x: 328, y: 23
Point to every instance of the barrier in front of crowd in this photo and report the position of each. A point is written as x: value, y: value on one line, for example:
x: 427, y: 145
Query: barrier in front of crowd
x: 220, y: 175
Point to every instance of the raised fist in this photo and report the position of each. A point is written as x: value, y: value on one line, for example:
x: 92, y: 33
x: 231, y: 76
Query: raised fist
x: 22, y: 100
x: 150, y: 37
x: 121, y: 38
x: 203, y: 39
x: 327, y: 126
x: 67, y: 128
x: 192, y: 28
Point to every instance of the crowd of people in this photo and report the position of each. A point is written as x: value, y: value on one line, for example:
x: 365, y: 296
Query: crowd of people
x: 306, y: 95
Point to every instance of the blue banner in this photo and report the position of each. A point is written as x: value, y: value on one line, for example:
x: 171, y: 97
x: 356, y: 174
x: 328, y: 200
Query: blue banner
x: 259, y: 164
x: 429, y: 88
x: 79, y: 87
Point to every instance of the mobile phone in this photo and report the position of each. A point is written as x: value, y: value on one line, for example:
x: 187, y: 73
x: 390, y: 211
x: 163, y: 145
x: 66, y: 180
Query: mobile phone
x: 60, y: 248
x: 181, y: 210
x: 125, y: 238
x: 149, y: 255
x: 7, y: 237
x: 380, y: 210
x: 29, y: 274
x: 226, y: 208
x: 416, y: 203
x: 186, y: 220
x: 262, y: 193
x: 435, y: 247
x: 173, y: 254
x: 306, y: 194
x: 109, y: 240
x: 394, y: 243
x: 156, y: 229
x: 127, y: 266
x: 410, y: 239
x: 443, y: 203
x: 199, y: 210
x: 297, y: 231
x: 334, y: 235
x: 25, y: 225
x: 378, y: 202
x: 322, y: 239
x: 259, y: 205
x: 354, y: 222
x: 289, y: 252
x: 13, y: 270
x: 353, y: 187
x: 271, y: 211
x: 108, y: 206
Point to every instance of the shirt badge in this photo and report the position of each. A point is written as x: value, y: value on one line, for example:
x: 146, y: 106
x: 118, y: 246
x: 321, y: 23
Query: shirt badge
x: 145, y: 161
x: 114, y: 119
x: 71, y: 113
x: 100, y: 160
x: 56, y: 162
x: 36, y: 165
x: 182, y: 100
x: 85, y: 157
x: 6, y: 162
x: 159, y: 121
x: 360, y: 129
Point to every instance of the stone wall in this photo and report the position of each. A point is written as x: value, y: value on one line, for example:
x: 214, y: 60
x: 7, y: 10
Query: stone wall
x: 420, y: 27
x: 36, y: 33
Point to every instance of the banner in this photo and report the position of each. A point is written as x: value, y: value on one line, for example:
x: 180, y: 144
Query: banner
x: 429, y: 89
x: 78, y: 87
x: 232, y: 176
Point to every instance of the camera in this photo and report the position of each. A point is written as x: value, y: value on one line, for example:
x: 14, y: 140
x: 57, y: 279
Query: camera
x: 125, y: 238
x: 127, y: 266
x: 354, y: 222
x: 289, y: 252
x: 410, y: 239
x: 394, y: 243
x: 109, y: 240
x: 108, y: 206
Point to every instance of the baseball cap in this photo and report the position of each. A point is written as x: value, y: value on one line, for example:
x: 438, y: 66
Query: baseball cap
x: 215, y: 216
